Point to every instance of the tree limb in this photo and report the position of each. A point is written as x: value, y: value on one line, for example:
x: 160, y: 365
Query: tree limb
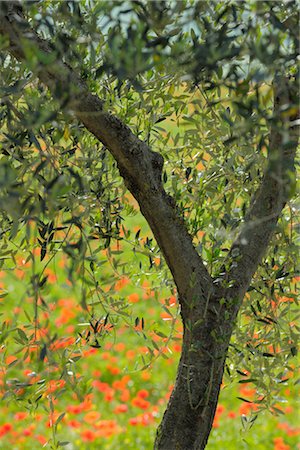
x: 273, y: 193
x: 140, y: 167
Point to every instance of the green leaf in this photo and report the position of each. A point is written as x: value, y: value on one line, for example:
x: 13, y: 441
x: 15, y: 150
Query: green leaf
x: 60, y: 418
x: 22, y: 335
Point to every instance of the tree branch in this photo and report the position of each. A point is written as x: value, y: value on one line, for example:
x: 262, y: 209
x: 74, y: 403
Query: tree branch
x: 273, y: 193
x: 140, y: 167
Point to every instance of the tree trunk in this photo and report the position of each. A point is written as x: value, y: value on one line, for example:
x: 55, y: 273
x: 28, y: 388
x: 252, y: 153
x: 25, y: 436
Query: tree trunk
x: 188, y: 419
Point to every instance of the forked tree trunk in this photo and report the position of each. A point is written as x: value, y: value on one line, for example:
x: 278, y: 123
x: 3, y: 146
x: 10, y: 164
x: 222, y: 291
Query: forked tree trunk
x: 188, y: 419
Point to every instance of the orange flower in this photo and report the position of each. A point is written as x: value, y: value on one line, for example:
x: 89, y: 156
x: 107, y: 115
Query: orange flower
x: 113, y: 370
x: 100, y: 386
x: 143, y: 393
x: 220, y: 409
x: 246, y: 408
x: 280, y: 445
x: 28, y: 431
x: 88, y: 435
x: 134, y: 421
x: 87, y: 403
x: 21, y: 415
x: 215, y: 423
x: 140, y: 403
x: 145, y: 375
x: 74, y: 423
x: 107, y: 428
x: 177, y: 347
x: 146, y: 419
x: 109, y: 395
x: 121, y: 384
x: 133, y: 298
x: 5, y: 428
x: 20, y: 274
x: 172, y: 300
x: 120, y: 347
x: 289, y: 430
x: 122, y: 408
x: 245, y: 391
x: 121, y: 283
x: 74, y: 409
x: 92, y: 416
x: 125, y: 396
x: 130, y: 354
x: 55, y: 385
x: 42, y: 440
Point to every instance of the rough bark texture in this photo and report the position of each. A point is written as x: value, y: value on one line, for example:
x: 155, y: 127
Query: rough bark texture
x: 187, y: 422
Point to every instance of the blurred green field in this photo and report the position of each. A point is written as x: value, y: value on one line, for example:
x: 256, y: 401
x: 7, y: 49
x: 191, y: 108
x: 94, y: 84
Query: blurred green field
x: 108, y: 389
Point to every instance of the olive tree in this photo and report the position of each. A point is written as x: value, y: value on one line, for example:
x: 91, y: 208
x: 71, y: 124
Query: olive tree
x: 107, y: 75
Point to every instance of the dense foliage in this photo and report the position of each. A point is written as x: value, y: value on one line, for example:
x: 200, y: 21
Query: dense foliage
x: 194, y: 80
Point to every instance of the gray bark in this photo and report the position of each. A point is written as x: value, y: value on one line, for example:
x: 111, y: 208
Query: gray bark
x: 208, y: 320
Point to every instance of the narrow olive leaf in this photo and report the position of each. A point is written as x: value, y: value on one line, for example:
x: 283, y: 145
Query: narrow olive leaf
x: 280, y: 273
x: 167, y: 310
x: 249, y: 380
x: 13, y: 363
x: 97, y: 327
x: 74, y: 359
x: 270, y: 319
x: 43, y: 352
x: 96, y: 344
x: 38, y: 398
x: 60, y: 418
x: 22, y: 335
x: 93, y: 327
x: 294, y: 351
x: 258, y: 306
x: 43, y: 281
x: 188, y: 172
x: 136, y: 322
x: 244, y: 400
x: 252, y: 420
x: 277, y: 410
x: 160, y: 334
x: 161, y: 119
x: 155, y: 344
x: 263, y: 321
x: 150, y: 350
